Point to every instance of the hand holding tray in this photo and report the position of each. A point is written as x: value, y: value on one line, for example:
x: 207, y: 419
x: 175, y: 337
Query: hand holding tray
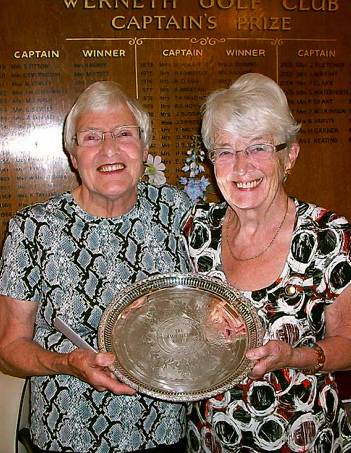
x: 180, y: 337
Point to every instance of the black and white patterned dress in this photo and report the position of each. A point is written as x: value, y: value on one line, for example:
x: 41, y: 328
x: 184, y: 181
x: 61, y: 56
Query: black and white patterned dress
x: 287, y: 410
x: 73, y: 264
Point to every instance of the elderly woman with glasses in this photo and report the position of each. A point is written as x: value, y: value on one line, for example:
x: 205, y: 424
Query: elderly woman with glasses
x: 66, y: 259
x: 291, y: 261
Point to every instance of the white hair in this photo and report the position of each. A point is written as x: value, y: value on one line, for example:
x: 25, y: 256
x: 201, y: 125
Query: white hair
x: 253, y: 105
x: 101, y: 96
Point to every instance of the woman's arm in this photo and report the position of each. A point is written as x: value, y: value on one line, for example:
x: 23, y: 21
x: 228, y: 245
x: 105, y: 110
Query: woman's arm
x: 337, y: 341
x: 336, y: 344
x: 20, y: 356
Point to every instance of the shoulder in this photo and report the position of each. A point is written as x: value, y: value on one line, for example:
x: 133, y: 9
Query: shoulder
x: 321, y: 215
x: 321, y: 245
x: 319, y: 219
x: 209, y: 213
x: 43, y: 212
x: 205, y: 216
x: 167, y: 194
x: 39, y: 222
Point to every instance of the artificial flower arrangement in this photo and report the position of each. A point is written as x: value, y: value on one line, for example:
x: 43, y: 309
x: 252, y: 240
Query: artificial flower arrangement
x: 194, y: 185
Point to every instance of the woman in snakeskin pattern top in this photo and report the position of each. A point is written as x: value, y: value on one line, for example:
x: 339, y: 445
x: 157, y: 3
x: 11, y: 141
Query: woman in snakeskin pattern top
x: 67, y: 258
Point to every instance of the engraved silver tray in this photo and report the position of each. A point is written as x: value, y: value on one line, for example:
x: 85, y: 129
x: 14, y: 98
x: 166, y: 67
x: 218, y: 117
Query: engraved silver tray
x: 180, y: 337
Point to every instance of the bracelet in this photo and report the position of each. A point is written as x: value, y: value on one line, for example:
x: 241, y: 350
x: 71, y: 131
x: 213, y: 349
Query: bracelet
x: 320, y: 360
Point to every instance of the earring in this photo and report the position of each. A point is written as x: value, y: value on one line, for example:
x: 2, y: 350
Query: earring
x: 142, y: 177
x: 286, y: 174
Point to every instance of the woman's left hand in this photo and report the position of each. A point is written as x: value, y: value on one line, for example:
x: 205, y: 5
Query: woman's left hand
x: 275, y: 354
x: 336, y: 344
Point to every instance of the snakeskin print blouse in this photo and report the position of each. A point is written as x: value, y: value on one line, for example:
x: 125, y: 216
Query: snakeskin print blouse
x: 72, y: 264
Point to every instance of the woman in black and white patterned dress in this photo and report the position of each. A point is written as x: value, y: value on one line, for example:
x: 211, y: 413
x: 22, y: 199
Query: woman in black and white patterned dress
x: 68, y: 258
x: 292, y: 261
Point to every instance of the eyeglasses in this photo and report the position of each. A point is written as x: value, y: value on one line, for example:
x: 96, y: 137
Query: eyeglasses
x: 126, y: 134
x: 255, y: 152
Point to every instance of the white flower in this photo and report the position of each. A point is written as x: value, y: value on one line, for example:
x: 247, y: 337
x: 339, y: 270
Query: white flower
x: 154, y: 170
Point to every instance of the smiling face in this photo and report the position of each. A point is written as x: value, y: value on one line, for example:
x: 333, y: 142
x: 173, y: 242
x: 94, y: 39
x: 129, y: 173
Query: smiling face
x: 109, y: 171
x: 249, y: 183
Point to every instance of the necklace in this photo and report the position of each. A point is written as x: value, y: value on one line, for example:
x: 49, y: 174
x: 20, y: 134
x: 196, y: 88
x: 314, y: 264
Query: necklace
x: 268, y: 246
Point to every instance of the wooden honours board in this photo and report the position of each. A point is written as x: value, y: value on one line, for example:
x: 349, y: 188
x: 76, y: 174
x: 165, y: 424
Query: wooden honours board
x: 170, y: 54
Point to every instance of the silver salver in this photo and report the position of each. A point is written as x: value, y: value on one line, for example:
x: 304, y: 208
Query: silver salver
x: 180, y: 337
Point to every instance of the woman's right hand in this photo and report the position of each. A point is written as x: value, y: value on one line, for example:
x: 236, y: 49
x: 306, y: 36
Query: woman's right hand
x: 93, y: 368
x: 21, y: 356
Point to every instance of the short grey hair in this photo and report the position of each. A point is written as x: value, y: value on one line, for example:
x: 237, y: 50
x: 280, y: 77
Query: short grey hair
x: 100, y: 96
x: 253, y: 105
